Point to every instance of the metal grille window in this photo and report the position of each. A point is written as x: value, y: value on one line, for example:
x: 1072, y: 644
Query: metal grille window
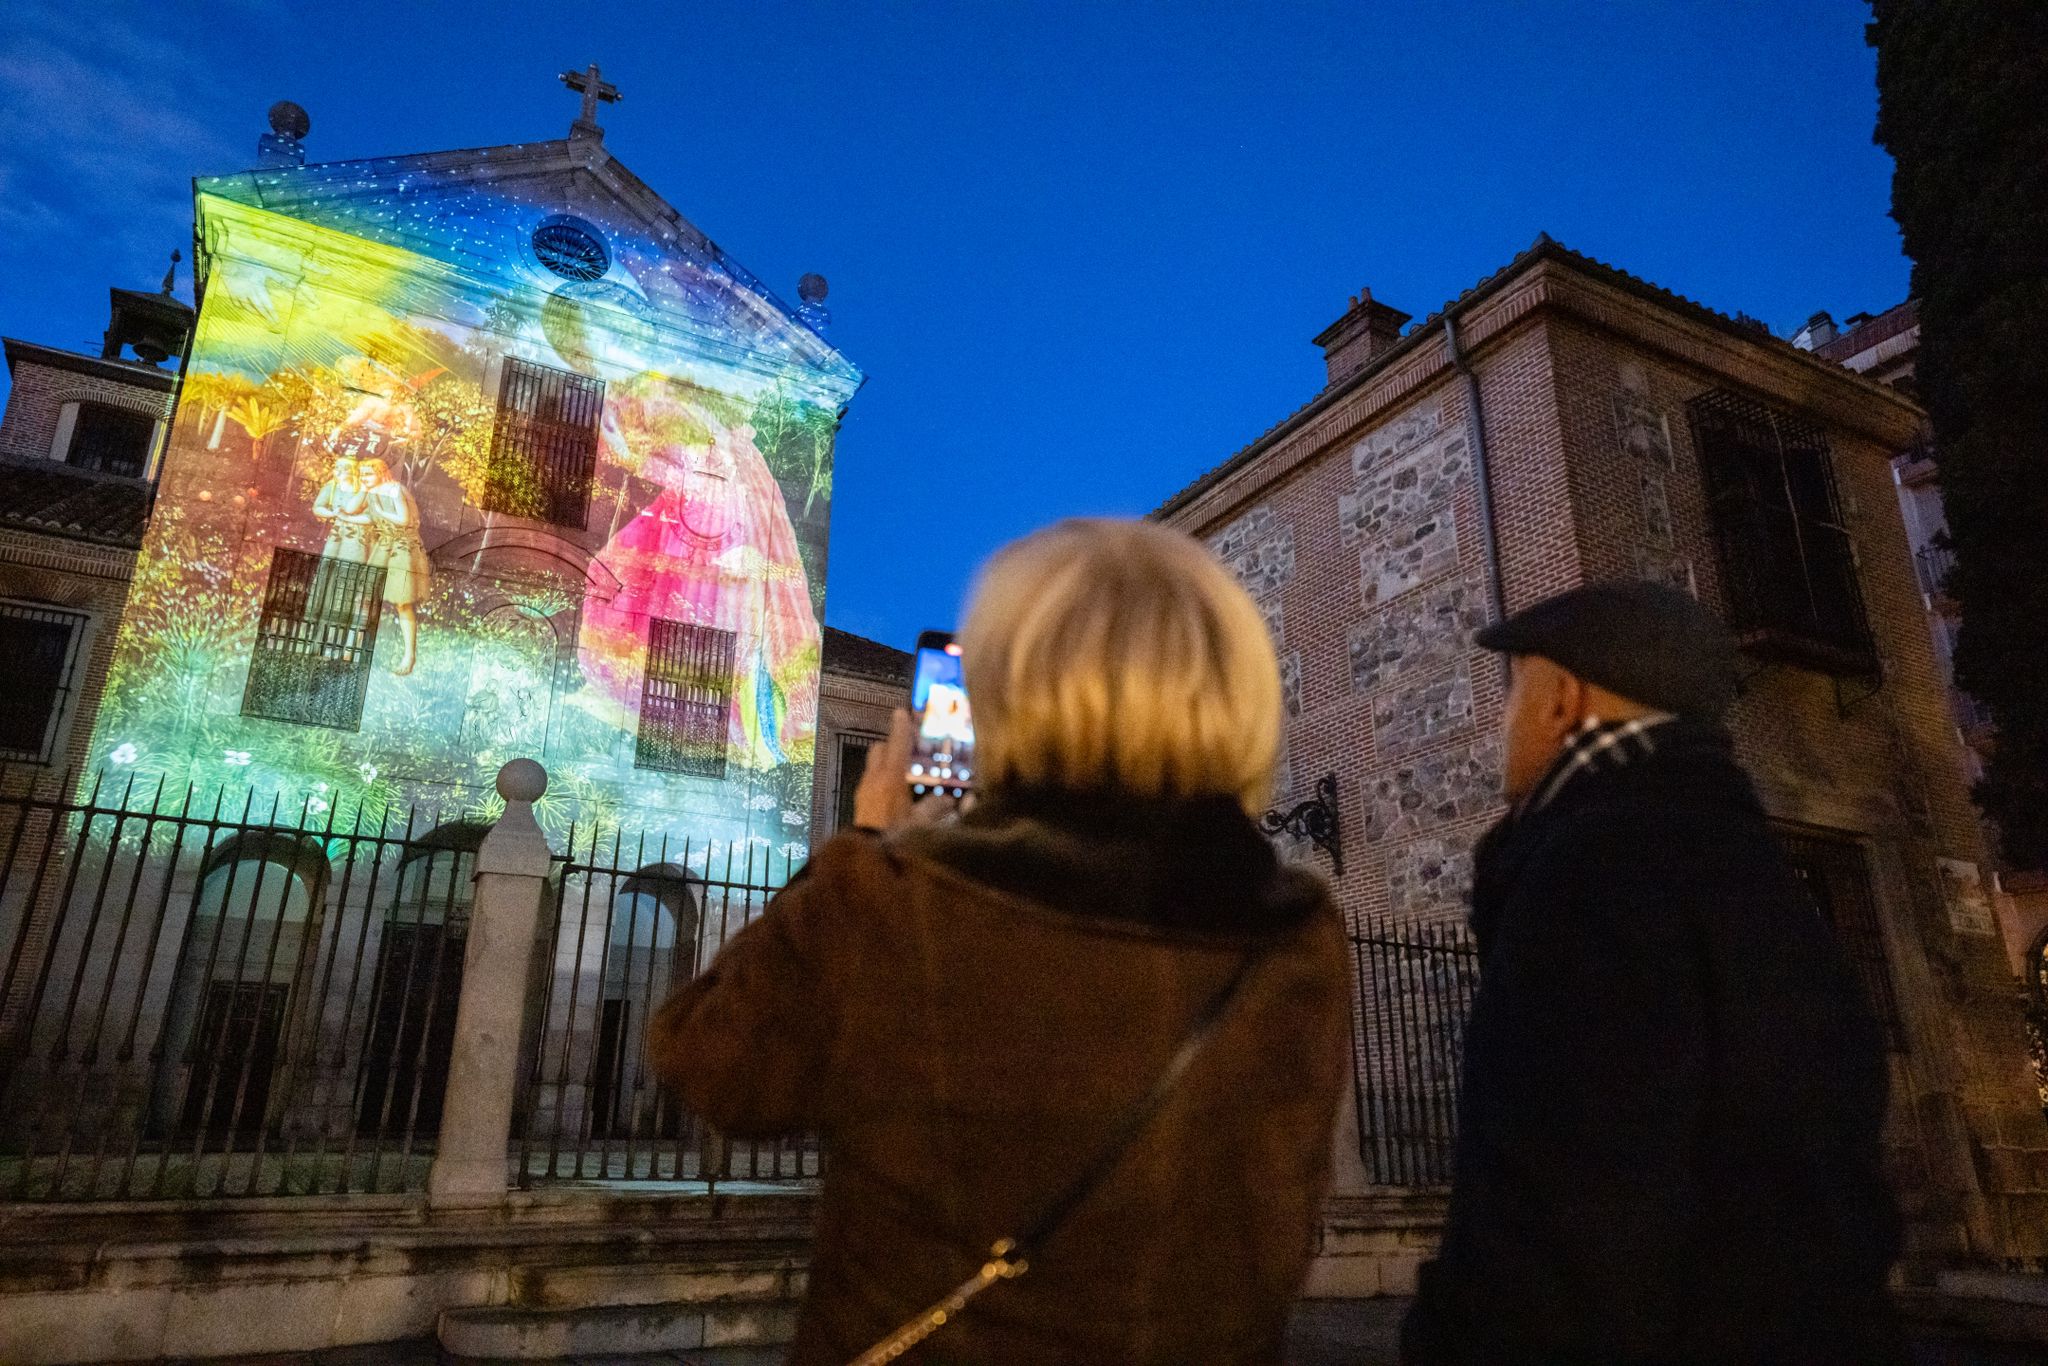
x: 111, y: 440
x: 685, y: 699
x: 1836, y: 881
x: 544, y: 444
x: 1786, y: 558
x: 314, y: 643
x: 853, y: 766
x: 40, y: 645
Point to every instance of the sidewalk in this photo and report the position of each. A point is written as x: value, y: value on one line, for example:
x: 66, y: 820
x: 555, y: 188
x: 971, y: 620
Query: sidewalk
x: 1325, y: 1333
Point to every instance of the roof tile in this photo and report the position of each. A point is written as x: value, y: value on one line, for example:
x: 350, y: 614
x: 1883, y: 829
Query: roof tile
x: 847, y: 653
x: 71, y: 503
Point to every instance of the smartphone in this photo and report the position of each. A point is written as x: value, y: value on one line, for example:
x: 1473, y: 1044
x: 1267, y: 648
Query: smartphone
x: 942, y: 756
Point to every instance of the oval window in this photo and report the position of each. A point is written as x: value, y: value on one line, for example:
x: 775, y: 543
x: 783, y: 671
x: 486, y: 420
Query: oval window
x: 571, y: 248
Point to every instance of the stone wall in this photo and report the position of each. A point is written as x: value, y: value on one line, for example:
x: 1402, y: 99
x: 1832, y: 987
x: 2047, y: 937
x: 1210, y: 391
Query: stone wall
x: 1873, y: 767
x: 546, y: 1270
x: 1258, y: 548
x: 1593, y: 476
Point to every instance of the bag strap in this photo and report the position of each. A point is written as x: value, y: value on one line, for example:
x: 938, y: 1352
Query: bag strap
x: 1009, y: 1257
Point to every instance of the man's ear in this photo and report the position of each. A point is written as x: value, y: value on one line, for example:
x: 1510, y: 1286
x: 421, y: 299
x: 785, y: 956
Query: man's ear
x: 1569, y: 701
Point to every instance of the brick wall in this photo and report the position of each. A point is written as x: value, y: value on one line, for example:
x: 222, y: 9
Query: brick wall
x: 40, y: 392
x: 1357, y: 528
x: 77, y: 575
x: 88, y: 579
x: 1383, y: 582
x: 848, y: 704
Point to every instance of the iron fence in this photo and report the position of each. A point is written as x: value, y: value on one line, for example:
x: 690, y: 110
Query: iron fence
x: 204, y: 999
x: 630, y: 921
x: 200, y: 999
x: 1415, y: 989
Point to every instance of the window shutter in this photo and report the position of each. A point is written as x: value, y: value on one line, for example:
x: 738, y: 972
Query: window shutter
x: 685, y: 699
x: 60, y: 442
x: 314, y: 641
x: 40, y: 645
x: 543, y: 444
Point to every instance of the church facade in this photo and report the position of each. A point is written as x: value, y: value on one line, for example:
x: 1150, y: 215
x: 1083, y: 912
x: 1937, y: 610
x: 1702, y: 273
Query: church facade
x: 480, y: 455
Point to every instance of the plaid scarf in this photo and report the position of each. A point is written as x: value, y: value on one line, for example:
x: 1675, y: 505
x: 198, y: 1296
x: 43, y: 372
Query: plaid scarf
x: 1596, y: 746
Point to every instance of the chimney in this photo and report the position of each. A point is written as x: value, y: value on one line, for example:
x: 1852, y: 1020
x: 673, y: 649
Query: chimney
x: 1817, y: 332
x: 1366, y: 329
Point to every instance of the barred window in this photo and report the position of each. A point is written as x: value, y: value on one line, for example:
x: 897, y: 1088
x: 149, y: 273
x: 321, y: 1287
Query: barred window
x: 1786, y: 558
x: 853, y: 766
x: 111, y: 440
x: 314, y: 642
x: 40, y: 645
x: 544, y: 444
x: 1836, y: 880
x: 685, y: 699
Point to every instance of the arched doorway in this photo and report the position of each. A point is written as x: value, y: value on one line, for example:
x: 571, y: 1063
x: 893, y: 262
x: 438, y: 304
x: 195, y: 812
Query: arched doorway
x: 225, y: 1035
x: 419, y: 983
x: 511, y: 684
x: 652, y: 946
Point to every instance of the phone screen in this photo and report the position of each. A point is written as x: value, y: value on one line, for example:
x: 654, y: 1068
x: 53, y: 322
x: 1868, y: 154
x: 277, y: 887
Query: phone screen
x: 942, y: 759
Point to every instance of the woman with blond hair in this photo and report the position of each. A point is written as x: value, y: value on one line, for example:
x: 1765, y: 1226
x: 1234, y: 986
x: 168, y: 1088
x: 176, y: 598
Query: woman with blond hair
x: 1081, y: 1048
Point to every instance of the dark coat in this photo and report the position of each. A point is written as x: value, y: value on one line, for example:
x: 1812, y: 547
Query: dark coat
x: 965, y: 1014
x: 1668, y: 1144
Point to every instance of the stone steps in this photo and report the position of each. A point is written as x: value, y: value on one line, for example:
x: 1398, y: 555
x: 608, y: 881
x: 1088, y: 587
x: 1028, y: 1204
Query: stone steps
x: 721, y: 1333
x: 706, y: 1310
x: 697, y: 1279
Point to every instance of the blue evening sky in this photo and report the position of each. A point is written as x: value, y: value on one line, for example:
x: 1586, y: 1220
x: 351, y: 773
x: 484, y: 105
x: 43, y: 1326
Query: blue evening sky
x: 1078, y: 248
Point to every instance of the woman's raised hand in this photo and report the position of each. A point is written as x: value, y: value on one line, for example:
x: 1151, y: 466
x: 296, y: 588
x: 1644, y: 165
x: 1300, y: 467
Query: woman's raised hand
x: 882, y: 801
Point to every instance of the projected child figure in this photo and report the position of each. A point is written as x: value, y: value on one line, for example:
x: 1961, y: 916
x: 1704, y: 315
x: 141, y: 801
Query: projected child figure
x: 341, y: 503
x: 396, y: 548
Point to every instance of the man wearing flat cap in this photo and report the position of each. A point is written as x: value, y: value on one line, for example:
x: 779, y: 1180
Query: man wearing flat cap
x: 1668, y: 1145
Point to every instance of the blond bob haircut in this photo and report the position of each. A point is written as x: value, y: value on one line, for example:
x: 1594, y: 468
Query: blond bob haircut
x: 1115, y: 654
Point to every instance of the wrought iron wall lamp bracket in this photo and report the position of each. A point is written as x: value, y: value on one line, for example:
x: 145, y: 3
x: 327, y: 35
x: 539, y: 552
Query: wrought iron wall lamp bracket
x: 1314, y: 819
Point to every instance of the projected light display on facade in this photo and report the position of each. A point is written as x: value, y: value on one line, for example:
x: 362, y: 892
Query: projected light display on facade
x: 482, y: 455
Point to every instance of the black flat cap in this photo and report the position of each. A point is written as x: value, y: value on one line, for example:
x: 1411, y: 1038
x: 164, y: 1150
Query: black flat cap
x: 1652, y: 644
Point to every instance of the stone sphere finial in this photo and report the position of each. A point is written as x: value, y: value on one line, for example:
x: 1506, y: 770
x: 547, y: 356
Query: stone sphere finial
x: 289, y: 120
x: 812, y: 289
x: 522, y: 780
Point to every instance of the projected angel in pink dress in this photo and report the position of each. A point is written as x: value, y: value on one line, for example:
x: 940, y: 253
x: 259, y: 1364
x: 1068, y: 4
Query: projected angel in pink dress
x: 714, y: 548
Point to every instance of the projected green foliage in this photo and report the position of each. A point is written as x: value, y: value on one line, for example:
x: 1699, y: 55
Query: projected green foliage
x: 344, y: 398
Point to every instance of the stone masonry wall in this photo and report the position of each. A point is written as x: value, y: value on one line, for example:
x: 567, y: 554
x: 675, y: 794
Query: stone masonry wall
x: 1968, y: 1146
x: 1368, y: 562
x: 1593, y: 476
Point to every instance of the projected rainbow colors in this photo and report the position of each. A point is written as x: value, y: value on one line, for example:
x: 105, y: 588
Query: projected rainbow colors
x: 358, y: 324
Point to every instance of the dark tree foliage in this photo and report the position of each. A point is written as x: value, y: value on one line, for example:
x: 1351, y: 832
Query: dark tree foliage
x: 1963, y: 109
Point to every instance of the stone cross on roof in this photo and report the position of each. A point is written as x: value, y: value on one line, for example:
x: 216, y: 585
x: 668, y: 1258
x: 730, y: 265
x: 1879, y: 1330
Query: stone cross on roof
x: 594, y: 89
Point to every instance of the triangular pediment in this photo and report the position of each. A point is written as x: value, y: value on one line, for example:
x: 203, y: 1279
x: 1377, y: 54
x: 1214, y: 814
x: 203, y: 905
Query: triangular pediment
x: 523, y: 217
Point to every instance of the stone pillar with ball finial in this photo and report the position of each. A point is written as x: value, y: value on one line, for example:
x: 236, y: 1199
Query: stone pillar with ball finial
x: 498, y: 983
x: 282, y: 147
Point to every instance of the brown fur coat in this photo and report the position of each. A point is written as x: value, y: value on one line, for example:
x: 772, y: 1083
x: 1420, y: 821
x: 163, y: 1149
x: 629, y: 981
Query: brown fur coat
x: 965, y: 1013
